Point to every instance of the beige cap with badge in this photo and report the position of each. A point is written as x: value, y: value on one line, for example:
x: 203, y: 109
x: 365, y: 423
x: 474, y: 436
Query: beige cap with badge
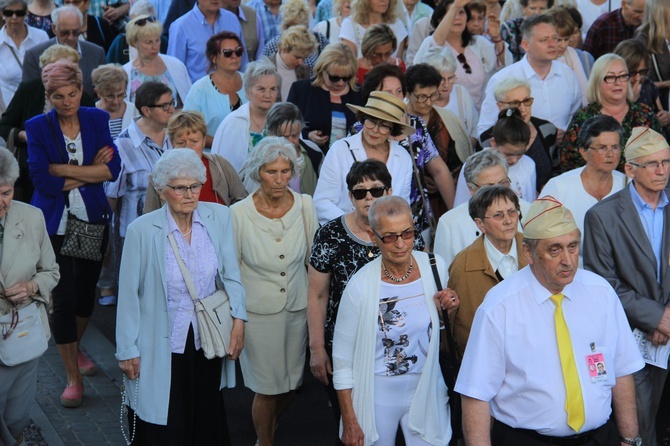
x: 547, y: 218
x: 644, y: 141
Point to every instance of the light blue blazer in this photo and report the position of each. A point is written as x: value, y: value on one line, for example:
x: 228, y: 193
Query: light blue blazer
x: 142, y: 321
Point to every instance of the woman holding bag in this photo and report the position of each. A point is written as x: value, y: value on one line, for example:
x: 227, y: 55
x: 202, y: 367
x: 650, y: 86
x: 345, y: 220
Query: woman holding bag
x: 70, y: 155
x: 158, y: 335
x: 26, y: 279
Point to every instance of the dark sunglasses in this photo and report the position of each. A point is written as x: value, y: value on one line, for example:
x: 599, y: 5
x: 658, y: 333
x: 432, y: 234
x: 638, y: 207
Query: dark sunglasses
x: 11, y: 12
x: 336, y: 79
x: 144, y: 21
x: 376, y: 192
x: 229, y: 53
x: 461, y: 58
x: 642, y: 72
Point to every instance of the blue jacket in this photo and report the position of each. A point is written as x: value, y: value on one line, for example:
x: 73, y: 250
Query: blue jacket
x: 42, y: 152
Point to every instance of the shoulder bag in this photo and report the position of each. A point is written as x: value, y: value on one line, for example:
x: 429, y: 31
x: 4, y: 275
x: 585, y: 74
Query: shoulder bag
x: 23, y: 335
x: 213, y: 313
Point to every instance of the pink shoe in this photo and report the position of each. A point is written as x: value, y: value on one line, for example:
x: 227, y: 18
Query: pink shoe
x: 86, y: 366
x: 72, y: 396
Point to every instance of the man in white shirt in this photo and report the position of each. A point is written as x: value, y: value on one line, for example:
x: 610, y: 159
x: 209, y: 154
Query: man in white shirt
x: 554, y: 85
x: 536, y: 340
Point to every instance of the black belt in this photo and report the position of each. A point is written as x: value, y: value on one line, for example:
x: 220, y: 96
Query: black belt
x: 578, y: 439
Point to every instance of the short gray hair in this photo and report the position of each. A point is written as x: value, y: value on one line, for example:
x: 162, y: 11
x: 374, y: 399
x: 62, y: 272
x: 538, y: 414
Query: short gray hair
x: 506, y: 85
x: 56, y: 13
x: 480, y: 161
x: 267, y: 151
x: 9, y: 167
x: 6, y: 3
x: 178, y: 163
x: 387, y: 206
x: 256, y: 70
x: 440, y: 58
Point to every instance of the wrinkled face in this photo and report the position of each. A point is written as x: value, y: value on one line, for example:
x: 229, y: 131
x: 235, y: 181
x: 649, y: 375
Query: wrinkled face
x: 148, y: 46
x: 514, y: 99
x: 602, y: 154
x: 17, y: 20
x: 400, y: 251
x: 542, y: 44
x: 264, y: 93
x: 181, y: 204
x: 157, y: 114
x: 68, y: 30
x: 191, y: 139
x: 422, y: 99
x: 362, y: 206
x: 489, y: 177
x: 511, y: 152
x: 112, y: 100
x: 653, y: 178
x: 393, y: 86
x: 6, y: 195
x: 381, y: 54
x: 447, y: 84
x: 535, y: 7
x: 275, y: 177
x: 476, y: 23
x: 632, y: 13
x: 499, y: 231
x: 291, y: 131
x: 231, y: 63
x: 555, y: 261
x: 66, y: 100
x: 614, y: 93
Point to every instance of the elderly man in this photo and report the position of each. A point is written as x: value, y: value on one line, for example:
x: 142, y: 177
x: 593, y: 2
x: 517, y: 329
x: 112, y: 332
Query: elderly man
x: 189, y: 35
x: 626, y: 242
x: 614, y: 27
x: 67, y: 23
x: 534, y: 345
x: 493, y: 257
x: 455, y: 229
x: 554, y: 85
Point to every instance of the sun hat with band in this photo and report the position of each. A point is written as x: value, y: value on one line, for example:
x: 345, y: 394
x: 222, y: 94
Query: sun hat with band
x: 387, y: 107
x: 547, y: 218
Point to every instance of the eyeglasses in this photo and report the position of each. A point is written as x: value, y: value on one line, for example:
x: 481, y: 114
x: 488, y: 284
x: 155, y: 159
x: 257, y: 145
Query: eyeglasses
x: 506, y: 182
x: 392, y: 238
x: 461, y: 58
x: 376, y: 192
x: 643, y: 72
x: 500, y: 216
x: 606, y: 149
x: 516, y: 104
x: 115, y: 97
x: 228, y: 53
x: 181, y: 190
x: 12, y: 12
x: 336, y: 79
x: 72, y: 153
x: 166, y: 107
x: 613, y: 79
x: 144, y: 21
x: 370, y: 124
x: 652, y: 165
x: 71, y: 32
x: 421, y: 98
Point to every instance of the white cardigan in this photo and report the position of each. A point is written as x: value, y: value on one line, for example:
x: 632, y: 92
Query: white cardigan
x: 331, y: 197
x: 232, y: 139
x: 354, y: 354
x: 176, y: 69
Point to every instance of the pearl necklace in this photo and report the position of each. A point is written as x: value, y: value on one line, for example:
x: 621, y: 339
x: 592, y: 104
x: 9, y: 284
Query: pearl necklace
x: 399, y: 279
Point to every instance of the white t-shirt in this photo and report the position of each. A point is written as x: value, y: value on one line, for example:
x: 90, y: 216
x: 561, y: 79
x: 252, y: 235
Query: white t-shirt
x: 77, y: 205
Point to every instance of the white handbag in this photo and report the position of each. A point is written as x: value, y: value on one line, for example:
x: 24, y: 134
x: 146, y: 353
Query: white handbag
x: 23, y: 335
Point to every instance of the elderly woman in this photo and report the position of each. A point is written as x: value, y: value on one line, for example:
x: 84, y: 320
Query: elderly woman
x: 171, y: 387
x: 241, y: 130
x: 294, y: 46
x: 492, y: 257
x: 383, y: 119
x: 110, y: 83
x: 144, y: 34
x: 609, y: 94
x: 186, y: 129
x: 323, y: 98
x: 365, y: 13
x: 341, y: 9
x: 296, y: 13
x: 386, y: 341
x: 222, y: 90
x: 274, y: 228
x: 515, y: 93
x: 341, y: 247
x: 581, y: 188
x: 478, y: 57
x: 461, y: 103
x: 71, y: 155
x: 30, y: 272
x: 16, y: 38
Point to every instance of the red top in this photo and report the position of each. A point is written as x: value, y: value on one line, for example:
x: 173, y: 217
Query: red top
x: 207, y: 193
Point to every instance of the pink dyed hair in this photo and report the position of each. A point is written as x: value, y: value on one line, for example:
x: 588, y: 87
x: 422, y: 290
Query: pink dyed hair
x: 60, y: 74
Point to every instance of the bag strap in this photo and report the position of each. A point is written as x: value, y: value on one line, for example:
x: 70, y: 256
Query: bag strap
x: 350, y: 150
x: 328, y: 29
x: 184, y: 270
x: 657, y: 70
x: 419, y: 184
x: 451, y: 342
x: 18, y: 61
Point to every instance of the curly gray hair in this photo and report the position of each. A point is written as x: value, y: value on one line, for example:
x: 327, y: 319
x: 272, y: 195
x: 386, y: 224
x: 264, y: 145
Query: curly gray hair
x: 267, y: 151
x: 178, y: 163
x: 9, y: 167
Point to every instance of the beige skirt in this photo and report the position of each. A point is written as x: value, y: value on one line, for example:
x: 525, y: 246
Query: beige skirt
x: 273, y: 358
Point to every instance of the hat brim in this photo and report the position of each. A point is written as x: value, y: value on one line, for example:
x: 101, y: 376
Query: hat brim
x: 405, y: 129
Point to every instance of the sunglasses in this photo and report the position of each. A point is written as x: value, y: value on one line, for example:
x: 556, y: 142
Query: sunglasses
x: 376, y: 192
x: 72, y: 153
x: 461, y: 58
x: 144, y: 21
x: 642, y: 72
x: 336, y: 79
x: 392, y: 238
x: 11, y: 12
x: 227, y: 53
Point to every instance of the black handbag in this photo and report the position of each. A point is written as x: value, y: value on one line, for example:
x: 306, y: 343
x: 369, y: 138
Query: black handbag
x: 449, y: 365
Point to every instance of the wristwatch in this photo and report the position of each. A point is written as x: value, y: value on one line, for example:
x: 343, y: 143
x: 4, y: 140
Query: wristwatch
x: 635, y: 441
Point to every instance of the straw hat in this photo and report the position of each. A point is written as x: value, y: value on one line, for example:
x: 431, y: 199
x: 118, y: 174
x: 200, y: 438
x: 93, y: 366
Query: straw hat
x: 387, y: 107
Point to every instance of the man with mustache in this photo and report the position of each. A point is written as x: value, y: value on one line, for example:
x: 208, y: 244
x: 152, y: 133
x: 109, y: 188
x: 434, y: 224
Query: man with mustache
x: 531, y: 359
x: 626, y: 242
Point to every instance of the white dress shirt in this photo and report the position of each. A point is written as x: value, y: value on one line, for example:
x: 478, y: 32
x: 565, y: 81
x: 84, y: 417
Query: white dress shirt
x: 11, y: 71
x: 504, y: 264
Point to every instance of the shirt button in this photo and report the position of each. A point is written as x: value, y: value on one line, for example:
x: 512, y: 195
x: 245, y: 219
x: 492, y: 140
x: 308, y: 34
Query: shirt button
x: 283, y: 290
x: 282, y: 274
x: 281, y: 256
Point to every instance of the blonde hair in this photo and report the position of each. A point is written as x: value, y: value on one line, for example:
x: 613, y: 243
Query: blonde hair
x: 654, y: 24
x: 336, y: 55
x: 360, y: 12
x: 294, y: 12
x: 375, y: 36
x: 598, y: 72
x: 108, y: 76
x: 135, y: 32
x: 297, y: 38
x: 58, y: 52
x: 186, y: 120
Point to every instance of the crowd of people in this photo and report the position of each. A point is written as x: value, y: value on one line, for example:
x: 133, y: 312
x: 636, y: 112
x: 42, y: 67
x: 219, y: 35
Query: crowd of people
x: 300, y: 155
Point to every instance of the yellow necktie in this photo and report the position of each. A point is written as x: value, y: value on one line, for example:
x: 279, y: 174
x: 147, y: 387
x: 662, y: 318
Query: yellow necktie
x: 574, y: 402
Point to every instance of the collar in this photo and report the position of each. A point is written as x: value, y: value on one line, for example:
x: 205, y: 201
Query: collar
x: 240, y: 14
x: 200, y: 16
x: 540, y: 293
x: 136, y: 134
x: 529, y: 72
x: 640, y: 204
x: 495, y: 256
x: 4, y: 37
